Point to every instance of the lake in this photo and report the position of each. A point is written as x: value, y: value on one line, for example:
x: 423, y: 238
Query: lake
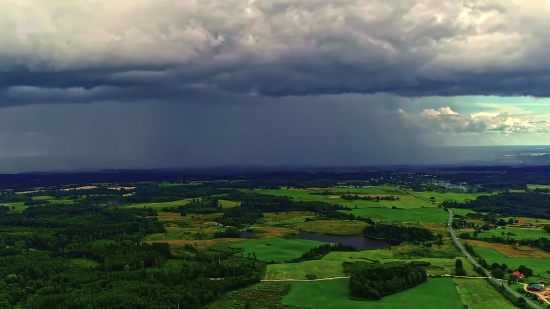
x: 359, y: 242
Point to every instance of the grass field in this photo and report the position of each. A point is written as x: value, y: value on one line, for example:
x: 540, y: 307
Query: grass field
x: 511, y: 251
x: 332, y: 227
x: 331, y: 264
x: 449, y: 196
x: 480, y: 294
x: 276, y: 249
x: 405, y: 201
x: 333, y: 294
x: 83, y: 263
x: 521, y: 233
x: 539, y: 266
x: 428, y: 215
x: 319, y: 268
x: 533, y: 187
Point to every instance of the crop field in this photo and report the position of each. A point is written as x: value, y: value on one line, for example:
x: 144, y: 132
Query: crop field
x: 333, y: 294
x: 334, y: 260
x: 480, y: 294
x: 276, y: 249
x: 332, y: 227
x: 540, y: 266
x: 428, y: 215
x: 533, y: 187
x: 520, y: 233
x: 319, y: 268
x: 448, y: 196
x: 462, y: 211
x: 510, y: 251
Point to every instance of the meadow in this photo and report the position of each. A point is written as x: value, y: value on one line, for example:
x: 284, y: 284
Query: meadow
x: 333, y: 294
x: 428, y: 215
x: 480, y: 294
x: 533, y: 187
x: 440, y: 197
x: 276, y: 249
x: 520, y: 233
x: 331, y: 265
x: 539, y: 266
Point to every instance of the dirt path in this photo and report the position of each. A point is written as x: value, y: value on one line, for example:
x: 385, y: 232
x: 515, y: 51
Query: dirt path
x: 302, y: 280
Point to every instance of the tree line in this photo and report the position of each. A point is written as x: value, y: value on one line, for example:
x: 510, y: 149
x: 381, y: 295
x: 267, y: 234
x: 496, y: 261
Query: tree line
x: 372, y: 281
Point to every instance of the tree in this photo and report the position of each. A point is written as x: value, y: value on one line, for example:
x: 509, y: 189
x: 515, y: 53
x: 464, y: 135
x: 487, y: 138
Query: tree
x: 483, y: 263
x: 458, y: 263
x: 520, y: 301
x: 498, y: 273
x: 460, y: 272
x: 511, y: 221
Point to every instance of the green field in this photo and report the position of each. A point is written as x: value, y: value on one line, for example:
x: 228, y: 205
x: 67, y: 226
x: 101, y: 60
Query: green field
x: 405, y: 201
x: 521, y: 233
x: 480, y: 294
x: 160, y: 206
x: 331, y: 265
x: 533, y: 187
x: 462, y: 211
x: 539, y: 266
x: 449, y: 196
x: 276, y: 249
x: 333, y: 294
x: 319, y: 268
x: 427, y: 215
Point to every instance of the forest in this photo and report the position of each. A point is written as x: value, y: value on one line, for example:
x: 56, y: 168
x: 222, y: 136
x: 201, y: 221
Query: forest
x: 399, y: 233
x: 372, y: 281
x: 84, y: 256
x: 530, y: 204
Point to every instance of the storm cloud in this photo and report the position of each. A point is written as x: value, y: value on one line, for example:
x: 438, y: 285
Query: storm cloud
x: 87, y: 51
x: 143, y: 83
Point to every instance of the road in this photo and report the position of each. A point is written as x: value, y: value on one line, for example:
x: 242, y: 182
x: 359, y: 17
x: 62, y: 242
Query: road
x: 488, y: 274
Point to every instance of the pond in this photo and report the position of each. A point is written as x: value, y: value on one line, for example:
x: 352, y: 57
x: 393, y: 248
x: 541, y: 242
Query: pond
x: 359, y: 242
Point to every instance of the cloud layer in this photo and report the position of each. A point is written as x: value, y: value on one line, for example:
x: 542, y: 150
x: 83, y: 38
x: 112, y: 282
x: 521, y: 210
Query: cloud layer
x: 100, y: 50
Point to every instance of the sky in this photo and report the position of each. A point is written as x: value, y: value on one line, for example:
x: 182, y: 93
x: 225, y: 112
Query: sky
x: 145, y: 83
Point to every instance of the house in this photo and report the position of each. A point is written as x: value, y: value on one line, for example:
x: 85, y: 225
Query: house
x: 521, y: 222
x: 516, y: 243
x: 516, y: 273
x: 535, y: 287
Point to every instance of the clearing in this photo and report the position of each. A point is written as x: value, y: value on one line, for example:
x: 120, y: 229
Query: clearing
x: 276, y: 249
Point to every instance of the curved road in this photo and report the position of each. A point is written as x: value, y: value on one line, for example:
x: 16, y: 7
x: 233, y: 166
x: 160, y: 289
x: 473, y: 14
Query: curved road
x: 453, y: 235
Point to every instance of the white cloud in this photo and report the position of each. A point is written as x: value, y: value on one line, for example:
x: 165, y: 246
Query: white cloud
x: 447, y: 121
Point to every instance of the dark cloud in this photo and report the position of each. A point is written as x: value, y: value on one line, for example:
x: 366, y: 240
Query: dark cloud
x: 330, y: 130
x: 149, y: 50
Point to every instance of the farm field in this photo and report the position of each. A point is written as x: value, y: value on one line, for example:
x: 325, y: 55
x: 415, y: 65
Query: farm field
x: 160, y: 206
x: 276, y: 249
x: 331, y: 264
x: 332, y: 227
x: 533, y: 187
x: 405, y: 201
x: 319, y: 268
x: 428, y: 215
x: 539, y: 266
x: 460, y: 197
x: 510, y: 251
x: 333, y: 294
x: 520, y: 233
x: 479, y: 294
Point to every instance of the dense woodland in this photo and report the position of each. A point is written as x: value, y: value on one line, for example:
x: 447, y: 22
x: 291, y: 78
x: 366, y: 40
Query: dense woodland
x: 533, y: 205
x: 83, y: 256
x: 399, y: 233
x: 372, y: 281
